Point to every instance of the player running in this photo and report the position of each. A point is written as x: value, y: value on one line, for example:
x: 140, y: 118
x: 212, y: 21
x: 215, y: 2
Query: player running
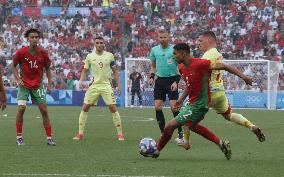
x: 32, y: 61
x: 196, y: 73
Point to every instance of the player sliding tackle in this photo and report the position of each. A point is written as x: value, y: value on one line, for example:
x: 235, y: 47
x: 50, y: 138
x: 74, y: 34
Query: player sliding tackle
x: 196, y: 73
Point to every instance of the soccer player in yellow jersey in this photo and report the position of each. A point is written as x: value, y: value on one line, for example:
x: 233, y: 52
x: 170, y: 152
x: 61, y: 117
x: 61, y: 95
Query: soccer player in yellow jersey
x: 100, y: 63
x: 219, y: 101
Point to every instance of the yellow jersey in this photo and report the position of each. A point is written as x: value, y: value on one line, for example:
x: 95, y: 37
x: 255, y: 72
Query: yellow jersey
x: 100, y: 66
x: 216, y: 80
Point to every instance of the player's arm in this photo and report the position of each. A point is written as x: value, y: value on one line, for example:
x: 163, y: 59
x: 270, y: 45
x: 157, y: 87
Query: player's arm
x: 2, y: 94
x: 49, y: 80
x: 233, y: 70
x: 116, y: 76
x: 153, y: 67
x: 83, y: 77
x: 181, y: 99
x: 16, y: 73
x: 152, y: 72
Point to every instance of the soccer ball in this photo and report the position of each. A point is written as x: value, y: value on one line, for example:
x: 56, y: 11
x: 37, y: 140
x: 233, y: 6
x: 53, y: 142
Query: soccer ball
x: 147, y: 146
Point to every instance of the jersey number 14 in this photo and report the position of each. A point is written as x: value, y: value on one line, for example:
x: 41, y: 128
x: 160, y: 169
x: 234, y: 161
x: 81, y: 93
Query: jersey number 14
x: 33, y: 64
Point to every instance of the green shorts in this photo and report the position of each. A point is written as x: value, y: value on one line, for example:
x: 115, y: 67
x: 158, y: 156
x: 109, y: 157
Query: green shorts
x: 191, y: 113
x: 37, y: 95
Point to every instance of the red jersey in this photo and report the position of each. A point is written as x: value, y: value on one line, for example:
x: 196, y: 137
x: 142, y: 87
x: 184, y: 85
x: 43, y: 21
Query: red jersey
x: 31, y: 67
x: 196, y: 76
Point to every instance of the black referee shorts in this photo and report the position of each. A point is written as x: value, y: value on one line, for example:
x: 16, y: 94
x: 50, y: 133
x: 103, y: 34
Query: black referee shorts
x: 163, y: 88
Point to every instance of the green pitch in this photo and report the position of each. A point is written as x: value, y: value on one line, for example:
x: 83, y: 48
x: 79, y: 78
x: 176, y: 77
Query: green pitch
x: 101, y: 154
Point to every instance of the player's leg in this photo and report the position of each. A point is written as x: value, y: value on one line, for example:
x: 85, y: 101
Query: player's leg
x: 38, y: 96
x: 160, y: 97
x: 132, y: 97
x: 173, y: 97
x: 221, y: 104
x: 139, y: 97
x: 109, y: 99
x: 178, y: 140
x: 23, y: 95
x: 91, y: 98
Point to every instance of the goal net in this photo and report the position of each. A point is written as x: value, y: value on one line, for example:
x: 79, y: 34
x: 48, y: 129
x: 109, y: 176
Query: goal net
x: 263, y: 93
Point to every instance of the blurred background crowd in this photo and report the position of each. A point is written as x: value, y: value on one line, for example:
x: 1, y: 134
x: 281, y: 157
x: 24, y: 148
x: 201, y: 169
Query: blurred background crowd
x: 246, y: 30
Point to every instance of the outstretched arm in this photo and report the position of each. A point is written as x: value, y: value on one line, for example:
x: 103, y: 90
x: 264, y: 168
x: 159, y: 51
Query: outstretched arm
x: 233, y: 70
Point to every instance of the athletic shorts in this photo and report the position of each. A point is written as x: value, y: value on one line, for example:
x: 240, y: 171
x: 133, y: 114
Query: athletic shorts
x: 37, y: 95
x: 220, y: 103
x: 163, y: 88
x: 191, y: 113
x: 95, y: 91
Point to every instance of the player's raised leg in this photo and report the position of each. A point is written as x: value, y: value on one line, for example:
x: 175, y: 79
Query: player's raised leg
x: 221, y: 104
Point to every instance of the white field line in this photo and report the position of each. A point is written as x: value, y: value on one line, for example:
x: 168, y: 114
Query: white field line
x: 64, y: 174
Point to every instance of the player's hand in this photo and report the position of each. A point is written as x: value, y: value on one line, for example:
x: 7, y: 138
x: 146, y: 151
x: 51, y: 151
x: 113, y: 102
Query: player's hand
x: 248, y: 80
x: 177, y: 105
x: 20, y: 82
x: 118, y: 89
x: 49, y: 88
x: 82, y: 85
x: 3, y: 103
x: 174, y: 86
x: 151, y: 81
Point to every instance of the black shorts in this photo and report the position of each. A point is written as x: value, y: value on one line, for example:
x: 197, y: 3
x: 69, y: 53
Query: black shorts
x: 163, y: 88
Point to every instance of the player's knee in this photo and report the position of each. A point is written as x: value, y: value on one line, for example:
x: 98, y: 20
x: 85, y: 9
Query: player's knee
x: 112, y: 108
x: 86, y: 107
x: 21, y: 108
x: 227, y: 116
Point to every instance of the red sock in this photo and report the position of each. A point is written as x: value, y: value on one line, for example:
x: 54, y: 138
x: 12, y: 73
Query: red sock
x: 19, y: 128
x: 165, y: 138
x: 47, y: 130
x: 206, y: 133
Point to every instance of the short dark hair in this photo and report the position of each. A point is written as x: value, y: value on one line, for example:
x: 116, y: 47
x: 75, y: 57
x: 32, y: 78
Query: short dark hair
x: 210, y: 34
x: 32, y: 30
x: 99, y: 37
x: 182, y: 46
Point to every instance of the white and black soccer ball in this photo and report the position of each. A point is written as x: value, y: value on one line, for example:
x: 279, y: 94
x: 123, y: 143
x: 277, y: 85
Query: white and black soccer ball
x: 147, y: 146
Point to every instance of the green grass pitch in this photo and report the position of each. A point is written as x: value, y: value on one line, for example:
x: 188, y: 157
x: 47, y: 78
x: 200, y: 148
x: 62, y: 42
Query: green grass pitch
x: 101, y: 154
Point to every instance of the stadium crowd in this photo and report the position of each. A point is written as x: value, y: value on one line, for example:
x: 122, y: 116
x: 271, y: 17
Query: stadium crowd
x: 245, y: 29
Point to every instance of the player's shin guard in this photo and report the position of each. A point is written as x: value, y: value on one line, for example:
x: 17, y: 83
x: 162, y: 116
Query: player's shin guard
x: 180, y: 134
x: 160, y: 119
x: 82, y: 121
x: 19, y: 129
x: 117, y: 122
x: 165, y: 138
x: 241, y: 120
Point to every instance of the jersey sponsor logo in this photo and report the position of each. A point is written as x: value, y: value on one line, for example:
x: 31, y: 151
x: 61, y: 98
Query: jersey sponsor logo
x: 253, y: 99
x: 170, y: 61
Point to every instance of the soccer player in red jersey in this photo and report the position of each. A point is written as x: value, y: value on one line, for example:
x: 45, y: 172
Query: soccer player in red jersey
x: 32, y: 61
x: 196, y: 73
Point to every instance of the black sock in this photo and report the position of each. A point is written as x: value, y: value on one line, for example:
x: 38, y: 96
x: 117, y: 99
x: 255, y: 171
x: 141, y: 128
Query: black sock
x: 160, y: 119
x: 180, y: 133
